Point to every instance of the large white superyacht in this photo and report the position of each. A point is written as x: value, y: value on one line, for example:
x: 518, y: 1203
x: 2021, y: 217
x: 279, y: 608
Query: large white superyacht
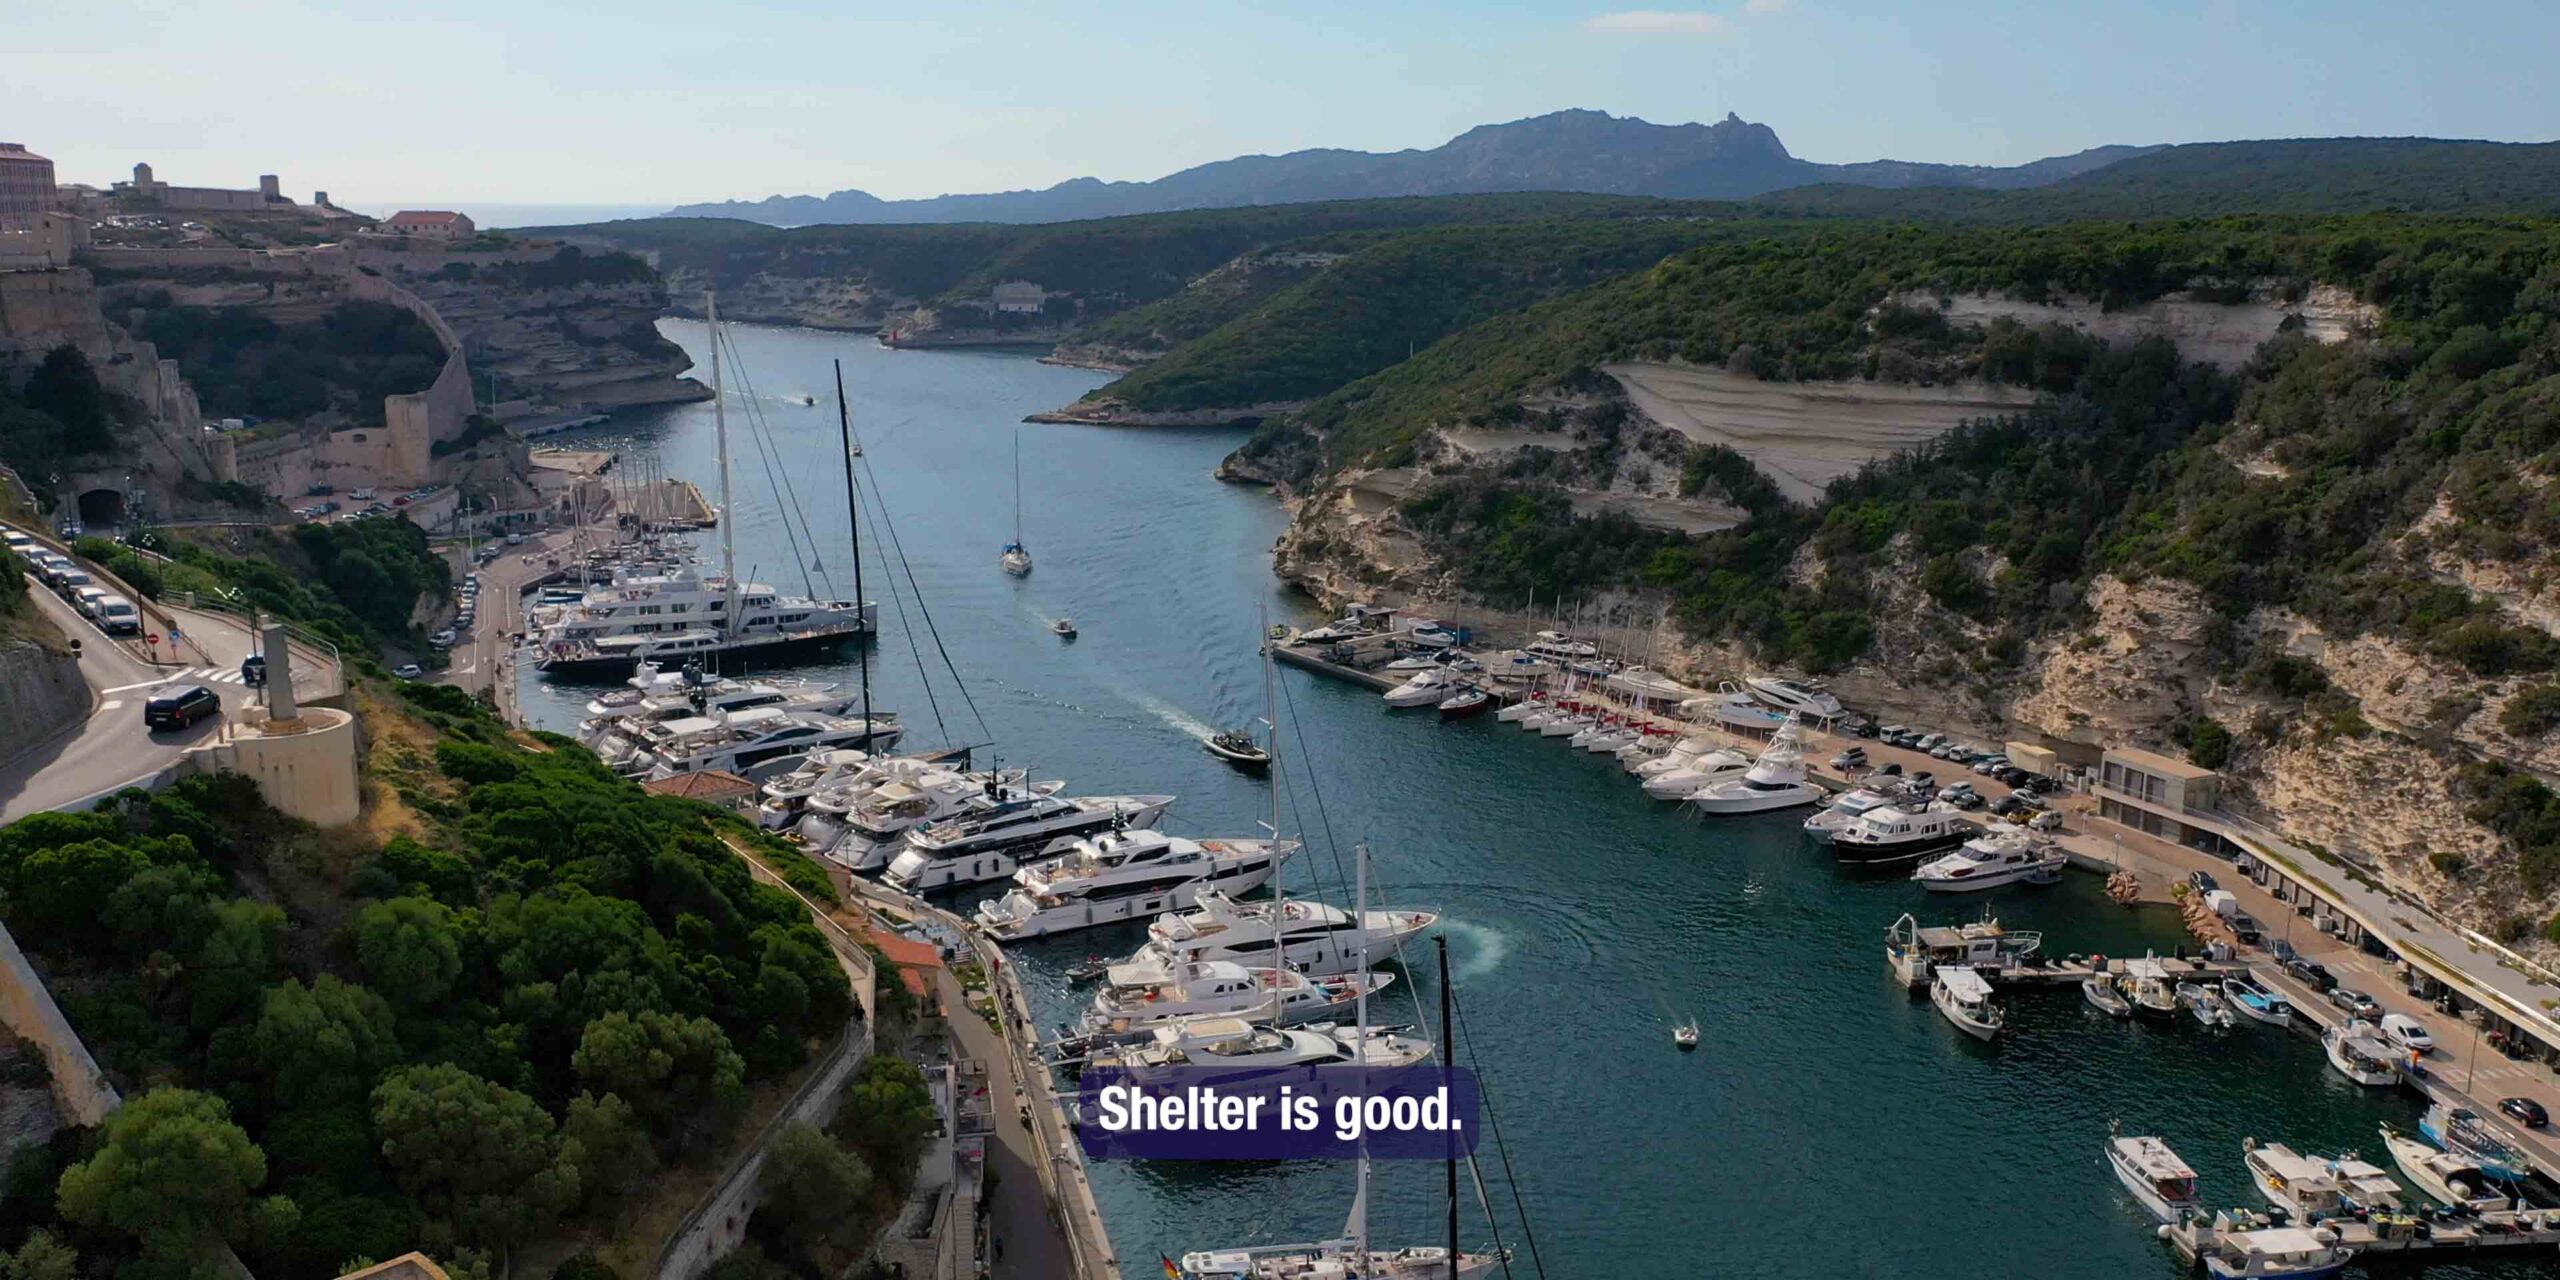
x: 1128, y: 875
x: 994, y: 834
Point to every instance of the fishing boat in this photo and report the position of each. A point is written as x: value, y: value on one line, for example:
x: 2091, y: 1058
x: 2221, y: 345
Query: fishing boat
x: 2359, y: 1053
x: 1469, y: 701
x: 2100, y: 991
x: 1015, y: 559
x: 2276, y: 1253
x: 2148, y: 985
x: 1988, y: 861
x: 2461, y: 1130
x: 1685, y: 1036
x: 1965, y: 999
x: 2450, y: 1177
x: 2257, y: 1003
x: 1063, y: 628
x: 2314, y: 1187
x: 1127, y: 875
x: 2153, y: 1173
x: 2205, y: 1003
x: 1775, y: 781
x: 1914, y: 951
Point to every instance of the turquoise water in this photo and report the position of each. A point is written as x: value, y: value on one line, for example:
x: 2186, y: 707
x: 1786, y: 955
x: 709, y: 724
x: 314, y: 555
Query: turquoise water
x: 1832, y: 1125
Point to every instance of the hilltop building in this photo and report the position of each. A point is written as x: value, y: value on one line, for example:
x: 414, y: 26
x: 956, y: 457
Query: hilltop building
x: 1020, y: 297
x: 270, y: 193
x: 26, y: 186
x: 431, y: 224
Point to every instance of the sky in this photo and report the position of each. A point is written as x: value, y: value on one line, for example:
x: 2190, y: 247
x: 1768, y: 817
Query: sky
x: 645, y: 102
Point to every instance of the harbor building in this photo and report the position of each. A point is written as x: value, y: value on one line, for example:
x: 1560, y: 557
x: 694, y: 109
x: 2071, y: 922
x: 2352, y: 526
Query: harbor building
x: 431, y: 224
x: 26, y: 186
x: 2158, y: 796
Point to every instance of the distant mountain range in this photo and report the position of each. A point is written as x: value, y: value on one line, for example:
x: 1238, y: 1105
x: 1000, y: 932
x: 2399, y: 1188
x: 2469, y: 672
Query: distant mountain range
x: 1589, y: 151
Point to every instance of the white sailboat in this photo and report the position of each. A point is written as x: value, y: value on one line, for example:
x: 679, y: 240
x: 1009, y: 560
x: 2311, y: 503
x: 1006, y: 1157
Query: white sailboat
x: 1016, y: 558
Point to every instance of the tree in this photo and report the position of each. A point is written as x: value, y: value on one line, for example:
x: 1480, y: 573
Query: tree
x: 813, y: 1188
x: 41, y: 1258
x: 666, y: 1066
x: 61, y: 894
x: 239, y: 958
x: 173, y: 1171
x: 67, y: 388
x: 409, y: 947
x: 479, y: 1156
x: 607, y: 1143
x: 886, y: 1114
x: 320, y: 1045
x: 2208, y: 743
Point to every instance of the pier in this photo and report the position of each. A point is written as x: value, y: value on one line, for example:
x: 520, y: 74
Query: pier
x: 2407, y: 1238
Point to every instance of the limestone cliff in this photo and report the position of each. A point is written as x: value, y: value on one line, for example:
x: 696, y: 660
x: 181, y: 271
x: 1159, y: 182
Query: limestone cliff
x: 567, y: 348
x: 41, y: 691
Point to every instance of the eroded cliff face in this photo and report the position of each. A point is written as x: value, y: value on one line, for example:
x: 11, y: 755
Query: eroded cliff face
x: 41, y: 691
x: 816, y: 302
x: 582, y: 348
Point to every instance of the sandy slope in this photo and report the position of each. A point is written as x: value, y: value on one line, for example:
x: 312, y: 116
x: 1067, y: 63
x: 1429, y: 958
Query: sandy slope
x: 1803, y: 435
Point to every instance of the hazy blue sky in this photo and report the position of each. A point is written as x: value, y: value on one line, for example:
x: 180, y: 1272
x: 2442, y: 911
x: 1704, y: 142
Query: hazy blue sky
x: 645, y: 101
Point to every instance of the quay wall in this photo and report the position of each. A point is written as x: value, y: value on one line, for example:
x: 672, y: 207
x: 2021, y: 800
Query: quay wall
x: 79, y: 1085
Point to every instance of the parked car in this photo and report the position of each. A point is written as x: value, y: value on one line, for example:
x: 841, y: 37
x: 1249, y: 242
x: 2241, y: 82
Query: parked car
x: 1864, y: 728
x: 2202, y: 881
x: 1845, y: 762
x: 1967, y: 800
x: 1990, y: 764
x: 2526, y: 1112
x: 2311, y: 971
x: 515, y: 539
x: 180, y: 707
x: 409, y: 671
x: 2356, y: 1003
x: 118, y: 617
x: 362, y: 495
x: 2041, y: 784
x: 1924, y: 780
x: 2243, y: 925
x: 2408, y: 1032
x: 1889, y: 770
x: 442, y: 639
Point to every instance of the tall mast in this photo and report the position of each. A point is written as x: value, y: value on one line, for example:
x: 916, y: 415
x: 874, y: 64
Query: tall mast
x: 1017, y: 486
x: 728, y: 517
x: 1448, y: 1080
x: 853, y: 522
x: 1360, y: 1197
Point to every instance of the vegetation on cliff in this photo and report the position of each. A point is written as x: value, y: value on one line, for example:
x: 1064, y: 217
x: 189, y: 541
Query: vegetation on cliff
x: 357, y: 582
x: 244, y: 364
x: 485, y: 1031
x: 62, y: 415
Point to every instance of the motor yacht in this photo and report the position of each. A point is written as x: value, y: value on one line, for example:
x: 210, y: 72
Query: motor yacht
x: 1223, y: 988
x: 1649, y: 685
x: 2451, y: 1177
x: 1315, y: 937
x: 993, y: 835
x: 1362, y: 620
x: 1914, y: 951
x: 1905, y: 832
x: 1804, y: 698
x: 1469, y: 701
x: 1561, y: 648
x: 787, y: 794
x: 2205, y: 1003
x: 876, y: 827
x: 1775, y: 781
x: 2314, y: 1187
x: 2154, y: 1174
x: 1847, y: 806
x: 824, y: 811
x: 1431, y: 635
x: 1732, y: 707
x: 1127, y: 875
x: 656, y: 696
x: 1701, y: 770
x: 1965, y: 999
x: 1990, y: 860
x: 754, y: 744
x: 1236, y: 1045
x: 2359, y: 1053
x: 2257, y: 1003
x: 680, y: 615
x: 1425, y: 689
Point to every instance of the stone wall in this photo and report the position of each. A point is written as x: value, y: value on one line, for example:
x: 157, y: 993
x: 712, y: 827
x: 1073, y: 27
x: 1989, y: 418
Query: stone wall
x: 80, y: 1086
x: 41, y: 693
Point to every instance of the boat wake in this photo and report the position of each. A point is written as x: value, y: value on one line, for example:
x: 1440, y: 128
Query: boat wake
x: 1482, y: 949
x: 1175, y: 717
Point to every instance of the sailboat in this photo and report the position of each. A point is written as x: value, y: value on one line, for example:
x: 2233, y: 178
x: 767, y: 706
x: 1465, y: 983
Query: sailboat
x: 1016, y: 559
x: 1349, y: 1256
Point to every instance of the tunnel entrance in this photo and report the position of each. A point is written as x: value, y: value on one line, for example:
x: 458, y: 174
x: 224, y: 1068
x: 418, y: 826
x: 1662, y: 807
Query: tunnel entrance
x: 102, y: 509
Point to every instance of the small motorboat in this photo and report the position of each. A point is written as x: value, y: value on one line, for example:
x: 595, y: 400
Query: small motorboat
x: 1685, y: 1035
x: 1469, y: 701
x: 1094, y: 966
x: 1239, y: 749
x: 2206, y: 1003
x: 2256, y: 1002
x: 2100, y: 991
x: 1063, y: 628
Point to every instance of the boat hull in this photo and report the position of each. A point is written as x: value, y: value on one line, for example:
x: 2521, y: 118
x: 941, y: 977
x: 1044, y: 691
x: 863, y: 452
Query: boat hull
x: 1857, y: 853
x: 619, y: 666
x: 1089, y: 914
x: 2152, y: 1201
x: 1756, y: 802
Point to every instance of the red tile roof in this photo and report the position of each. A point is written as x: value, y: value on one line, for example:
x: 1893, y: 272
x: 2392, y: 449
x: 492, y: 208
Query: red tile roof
x: 425, y: 218
x: 714, y: 785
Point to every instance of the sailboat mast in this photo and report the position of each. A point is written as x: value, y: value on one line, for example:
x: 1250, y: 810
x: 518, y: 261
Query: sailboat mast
x: 1360, y: 915
x: 728, y: 516
x: 1017, y: 486
x: 1448, y: 1079
x: 853, y: 524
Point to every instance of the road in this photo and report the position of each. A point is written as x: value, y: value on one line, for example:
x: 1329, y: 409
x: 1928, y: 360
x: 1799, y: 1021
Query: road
x: 112, y: 748
x: 486, y: 658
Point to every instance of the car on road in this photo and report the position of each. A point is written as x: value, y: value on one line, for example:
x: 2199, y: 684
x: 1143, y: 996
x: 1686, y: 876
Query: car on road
x: 2311, y: 971
x: 409, y: 671
x: 253, y: 671
x: 2408, y: 1033
x: 118, y: 617
x: 2202, y: 881
x: 515, y: 539
x: 2526, y: 1112
x: 87, y: 600
x: 2356, y: 1003
x: 180, y: 707
x: 17, y: 541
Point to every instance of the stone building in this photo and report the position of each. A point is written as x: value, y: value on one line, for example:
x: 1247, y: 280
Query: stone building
x: 26, y: 186
x: 431, y: 224
x: 270, y: 193
x: 1021, y: 297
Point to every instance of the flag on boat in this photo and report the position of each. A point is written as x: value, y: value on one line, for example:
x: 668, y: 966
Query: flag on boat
x: 1171, y: 1272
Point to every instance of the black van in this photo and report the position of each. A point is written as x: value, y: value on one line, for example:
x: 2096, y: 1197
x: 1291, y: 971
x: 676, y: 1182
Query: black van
x: 180, y: 707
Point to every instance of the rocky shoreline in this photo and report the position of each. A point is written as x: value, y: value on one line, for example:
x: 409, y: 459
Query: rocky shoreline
x: 1112, y: 413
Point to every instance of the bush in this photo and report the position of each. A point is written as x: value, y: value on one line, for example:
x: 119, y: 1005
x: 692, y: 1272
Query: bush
x: 2208, y: 743
x: 2532, y: 712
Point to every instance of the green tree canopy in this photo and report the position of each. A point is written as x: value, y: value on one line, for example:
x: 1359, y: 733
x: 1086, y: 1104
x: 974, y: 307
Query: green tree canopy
x: 480, y: 1156
x: 171, y: 1170
x: 409, y: 947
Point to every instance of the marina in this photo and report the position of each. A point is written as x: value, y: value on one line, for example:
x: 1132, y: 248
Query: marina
x: 1536, y: 860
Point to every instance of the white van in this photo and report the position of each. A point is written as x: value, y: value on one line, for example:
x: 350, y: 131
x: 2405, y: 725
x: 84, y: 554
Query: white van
x: 87, y: 600
x: 118, y: 617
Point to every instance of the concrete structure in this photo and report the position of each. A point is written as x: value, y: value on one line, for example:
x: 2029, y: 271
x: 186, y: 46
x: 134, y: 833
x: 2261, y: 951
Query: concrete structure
x: 431, y: 224
x: 79, y: 1085
x: 26, y: 186
x: 2034, y: 759
x: 43, y: 242
x: 145, y: 186
x: 2154, y: 794
x: 305, y: 766
x: 1019, y: 297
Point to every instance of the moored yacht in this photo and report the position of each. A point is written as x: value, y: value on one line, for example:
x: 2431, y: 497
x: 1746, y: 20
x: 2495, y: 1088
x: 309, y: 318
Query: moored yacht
x: 1226, y: 989
x: 1896, y: 833
x: 876, y: 826
x: 1990, y: 860
x: 1845, y: 808
x: 680, y: 615
x: 754, y: 744
x: 1127, y: 875
x: 1804, y: 698
x: 2256, y: 1002
x: 1561, y: 648
x: 1425, y: 688
x: 786, y: 795
x: 656, y: 697
x: 1316, y: 937
x: 1702, y: 769
x: 993, y: 835
x: 1235, y: 1044
x: 2154, y: 1174
x: 1774, y: 781
x: 2449, y: 1176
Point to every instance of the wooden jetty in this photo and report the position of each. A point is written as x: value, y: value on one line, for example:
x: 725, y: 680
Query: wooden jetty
x: 2408, y: 1238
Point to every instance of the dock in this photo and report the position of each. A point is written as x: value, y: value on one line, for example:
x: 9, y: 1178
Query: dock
x: 2407, y: 1238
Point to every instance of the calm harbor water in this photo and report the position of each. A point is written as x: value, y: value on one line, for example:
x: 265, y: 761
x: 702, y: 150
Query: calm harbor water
x: 1831, y: 1125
